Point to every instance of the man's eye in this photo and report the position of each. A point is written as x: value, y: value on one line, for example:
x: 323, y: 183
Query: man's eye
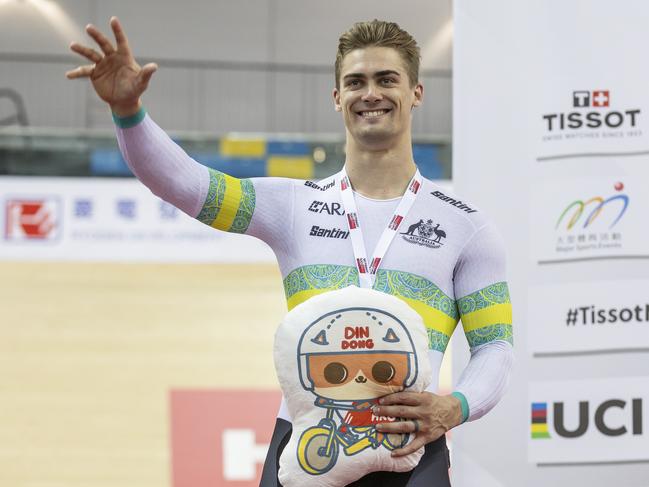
x: 354, y: 83
x: 387, y: 81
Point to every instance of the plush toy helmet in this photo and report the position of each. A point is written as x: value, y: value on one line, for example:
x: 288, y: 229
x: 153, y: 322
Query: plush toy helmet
x: 356, y: 331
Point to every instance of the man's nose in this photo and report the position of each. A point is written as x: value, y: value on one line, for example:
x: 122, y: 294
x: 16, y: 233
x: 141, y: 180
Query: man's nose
x: 372, y: 93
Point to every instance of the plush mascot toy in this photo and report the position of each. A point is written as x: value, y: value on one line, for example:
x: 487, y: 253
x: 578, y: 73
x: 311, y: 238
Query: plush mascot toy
x: 335, y: 355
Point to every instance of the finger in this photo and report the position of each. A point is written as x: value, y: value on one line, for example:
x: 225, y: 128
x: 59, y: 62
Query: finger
x: 146, y: 73
x: 411, y: 447
x: 120, y: 35
x: 86, y: 52
x: 80, y: 72
x: 407, y: 398
x: 100, y: 39
x: 395, y: 427
x: 399, y: 411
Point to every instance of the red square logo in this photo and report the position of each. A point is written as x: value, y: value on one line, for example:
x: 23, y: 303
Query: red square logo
x: 395, y: 222
x: 601, y: 98
x: 353, y: 220
x: 221, y: 437
x: 32, y: 219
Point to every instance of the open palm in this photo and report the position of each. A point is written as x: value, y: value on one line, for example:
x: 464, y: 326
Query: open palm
x: 115, y: 76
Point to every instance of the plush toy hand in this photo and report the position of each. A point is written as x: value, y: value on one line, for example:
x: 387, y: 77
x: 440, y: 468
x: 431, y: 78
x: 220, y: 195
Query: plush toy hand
x: 427, y: 416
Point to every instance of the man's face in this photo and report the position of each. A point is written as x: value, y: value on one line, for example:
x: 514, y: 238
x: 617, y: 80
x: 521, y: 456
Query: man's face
x: 375, y: 96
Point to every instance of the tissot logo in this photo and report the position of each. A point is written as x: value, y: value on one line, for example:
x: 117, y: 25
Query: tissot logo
x: 580, y: 118
x: 422, y: 232
x: 317, y: 231
x: 331, y: 208
x: 325, y: 187
x: 597, y: 98
x: 628, y: 418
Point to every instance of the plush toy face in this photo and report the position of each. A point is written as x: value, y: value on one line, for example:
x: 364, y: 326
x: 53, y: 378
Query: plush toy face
x: 347, y: 357
x: 357, y: 376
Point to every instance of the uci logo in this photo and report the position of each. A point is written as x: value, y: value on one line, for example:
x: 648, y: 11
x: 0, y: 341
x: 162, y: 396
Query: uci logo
x: 631, y: 410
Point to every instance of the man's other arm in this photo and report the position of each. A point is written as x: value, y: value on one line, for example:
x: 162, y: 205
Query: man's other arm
x: 485, y: 310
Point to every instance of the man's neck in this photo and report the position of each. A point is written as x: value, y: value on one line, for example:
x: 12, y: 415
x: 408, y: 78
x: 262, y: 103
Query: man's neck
x: 380, y: 174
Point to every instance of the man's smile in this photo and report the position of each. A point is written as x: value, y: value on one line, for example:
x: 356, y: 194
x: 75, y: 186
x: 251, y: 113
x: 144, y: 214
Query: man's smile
x: 373, y: 113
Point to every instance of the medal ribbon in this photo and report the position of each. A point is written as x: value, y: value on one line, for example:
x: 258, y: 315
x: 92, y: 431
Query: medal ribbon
x: 367, y: 270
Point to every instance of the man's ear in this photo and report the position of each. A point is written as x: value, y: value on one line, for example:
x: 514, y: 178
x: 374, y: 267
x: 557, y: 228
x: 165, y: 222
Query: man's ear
x: 419, y: 95
x: 336, y: 95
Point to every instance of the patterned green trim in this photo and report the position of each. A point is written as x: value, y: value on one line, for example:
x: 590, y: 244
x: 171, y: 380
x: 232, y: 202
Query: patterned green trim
x: 128, y: 122
x: 246, y: 207
x: 463, y: 403
x: 489, y: 334
x: 437, y: 340
x: 214, y: 198
x: 395, y: 283
x: 320, y: 276
x: 412, y: 286
x: 495, y: 294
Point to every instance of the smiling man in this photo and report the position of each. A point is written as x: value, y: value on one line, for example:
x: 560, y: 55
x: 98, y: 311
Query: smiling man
x: 446, y: 263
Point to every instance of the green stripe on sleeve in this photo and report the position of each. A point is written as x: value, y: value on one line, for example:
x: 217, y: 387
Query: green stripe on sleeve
x: 464, y: 404
x: 128, y: 122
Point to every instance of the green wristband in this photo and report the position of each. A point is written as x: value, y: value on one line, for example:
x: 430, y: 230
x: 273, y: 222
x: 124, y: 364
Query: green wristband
x: 463, y: 403
x: 128, y: 122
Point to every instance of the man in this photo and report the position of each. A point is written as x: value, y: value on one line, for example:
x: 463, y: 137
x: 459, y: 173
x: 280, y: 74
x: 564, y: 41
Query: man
x: 456, y: 271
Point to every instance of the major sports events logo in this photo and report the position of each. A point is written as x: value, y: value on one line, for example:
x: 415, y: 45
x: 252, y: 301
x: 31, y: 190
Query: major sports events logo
x: 36, y: 219
x: 548, y: 420
x: 425, y: 233
x: 592, y: 114
x: 587, y: 224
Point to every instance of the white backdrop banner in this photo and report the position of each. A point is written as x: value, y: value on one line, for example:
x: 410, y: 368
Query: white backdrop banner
x: 108, y: 220
x: 551, y: 139
x: 566, y: 319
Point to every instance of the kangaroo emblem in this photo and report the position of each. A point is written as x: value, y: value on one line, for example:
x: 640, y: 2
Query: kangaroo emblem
x: 425, y: 233
x: 413, y: 227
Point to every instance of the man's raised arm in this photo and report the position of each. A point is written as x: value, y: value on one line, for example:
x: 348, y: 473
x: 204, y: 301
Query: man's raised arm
x: 154, y: 158
x: 214, y: 198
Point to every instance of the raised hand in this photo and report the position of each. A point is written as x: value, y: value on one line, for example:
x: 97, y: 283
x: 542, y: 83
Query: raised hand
x: 115, y: 76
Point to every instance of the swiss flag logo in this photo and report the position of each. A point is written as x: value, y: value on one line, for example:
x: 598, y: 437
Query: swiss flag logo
x: 601, y: 98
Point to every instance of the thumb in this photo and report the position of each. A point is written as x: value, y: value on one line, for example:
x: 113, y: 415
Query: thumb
x: 145, y: 75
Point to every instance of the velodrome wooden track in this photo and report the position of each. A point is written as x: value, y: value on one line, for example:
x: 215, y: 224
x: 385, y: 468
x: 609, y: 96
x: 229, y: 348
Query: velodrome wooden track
x: 89, y: 352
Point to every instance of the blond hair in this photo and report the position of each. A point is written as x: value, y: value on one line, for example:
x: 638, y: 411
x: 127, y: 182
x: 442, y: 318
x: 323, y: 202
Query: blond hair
x: 379, y: 33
